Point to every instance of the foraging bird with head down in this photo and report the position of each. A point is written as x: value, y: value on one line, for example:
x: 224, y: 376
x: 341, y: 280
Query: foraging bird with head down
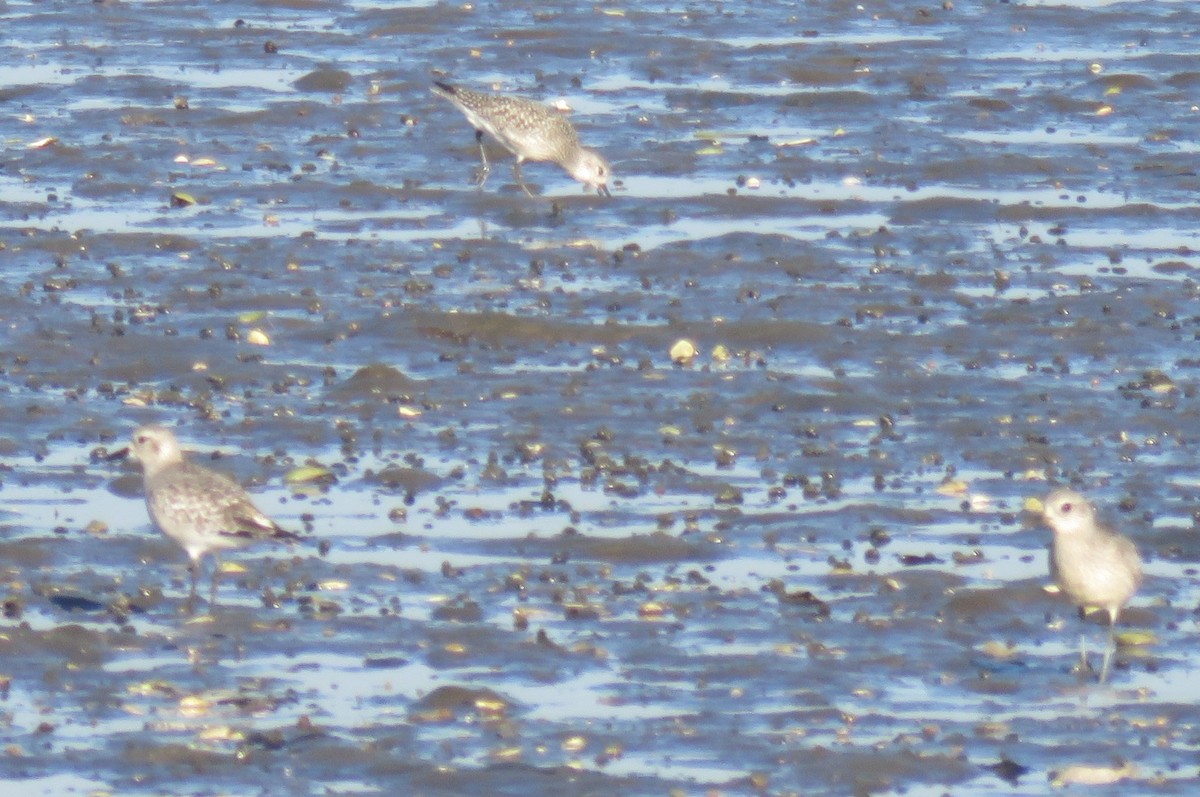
x: 529, y: 130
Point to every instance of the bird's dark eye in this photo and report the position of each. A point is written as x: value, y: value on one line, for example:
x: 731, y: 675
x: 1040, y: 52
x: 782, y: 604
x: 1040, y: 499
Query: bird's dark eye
x: 141, y: 439
x: 1065, y: 508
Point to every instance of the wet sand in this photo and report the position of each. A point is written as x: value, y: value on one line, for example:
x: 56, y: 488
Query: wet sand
x: 931, y: 259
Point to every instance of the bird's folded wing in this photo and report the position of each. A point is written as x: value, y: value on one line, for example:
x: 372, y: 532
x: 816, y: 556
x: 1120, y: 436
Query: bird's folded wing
x: 245, y: 520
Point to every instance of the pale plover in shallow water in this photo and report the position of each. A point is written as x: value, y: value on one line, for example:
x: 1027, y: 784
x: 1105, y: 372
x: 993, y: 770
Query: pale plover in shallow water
x: 202, y: 510
x: 529, y: 130
x: 1092, y: 564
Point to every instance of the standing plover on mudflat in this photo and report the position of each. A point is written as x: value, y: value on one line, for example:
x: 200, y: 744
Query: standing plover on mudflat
x: 529, y: 130
x: 202, y: 510
x: 1092, y: 564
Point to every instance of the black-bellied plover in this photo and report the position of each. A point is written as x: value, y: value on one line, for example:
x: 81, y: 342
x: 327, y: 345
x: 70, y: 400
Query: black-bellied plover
x: 529, y: 130
x: 202, y: 510
x: 1093, y: 565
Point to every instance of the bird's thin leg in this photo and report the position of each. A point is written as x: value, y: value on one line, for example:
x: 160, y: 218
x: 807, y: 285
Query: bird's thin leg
x: 520, y: 181
x: 484, y: 168
x: 194, y: 571
x: 1108, y: 655
x: 1112, y: 645
x: 1083, y: 658
x: 212, y: 590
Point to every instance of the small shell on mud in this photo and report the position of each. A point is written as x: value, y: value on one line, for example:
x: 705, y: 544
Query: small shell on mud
x: 993, y: 729
x: 997, y: 650
x: 683, y: 352
x: 151, y: 688
x: 42, y: 143
x: 952, y: 487
x: 979, y: 502
x: 514, y: 753
x: 721, y: 354
x: 258, y: 338
x: 194, y: 706
x: 1089, y: 775
x: 308, y: 473
x: 491, y: 705
x: 573, y: 744
x: 724, y: 455
x: 221, y: 733
x: 1136, y: 638
x: 408, y: 412
x: 651, y: 610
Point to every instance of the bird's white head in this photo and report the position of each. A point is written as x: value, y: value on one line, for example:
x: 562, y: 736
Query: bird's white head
x: 591, y: 169
x: 1067, y: 512
x: 156, y: 448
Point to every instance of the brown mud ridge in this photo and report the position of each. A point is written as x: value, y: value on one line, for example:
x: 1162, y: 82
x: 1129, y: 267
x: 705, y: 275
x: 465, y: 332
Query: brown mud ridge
x: 716, y: 485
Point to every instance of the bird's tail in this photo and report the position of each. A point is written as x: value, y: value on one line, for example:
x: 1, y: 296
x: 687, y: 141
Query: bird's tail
x: 283, y: 535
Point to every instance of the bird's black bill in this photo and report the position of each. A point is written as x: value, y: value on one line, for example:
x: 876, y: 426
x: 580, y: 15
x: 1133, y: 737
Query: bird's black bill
x: 120, y: 453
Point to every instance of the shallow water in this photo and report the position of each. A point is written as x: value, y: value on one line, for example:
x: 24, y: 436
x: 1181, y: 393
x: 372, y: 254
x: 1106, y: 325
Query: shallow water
x: 558, y: 561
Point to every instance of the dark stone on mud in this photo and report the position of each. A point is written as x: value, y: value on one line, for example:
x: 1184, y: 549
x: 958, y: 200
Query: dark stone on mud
x: 375, y: 381
x: 398, y: 479
x: 916, y: 560
x: 456, y: 698
x: 76, y: 603
x: 460, y: 611
x: 1008, y: 770
x: 332, y: 81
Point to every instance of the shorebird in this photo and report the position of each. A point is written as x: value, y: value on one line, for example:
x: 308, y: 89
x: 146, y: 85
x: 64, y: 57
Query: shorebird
x: 1093, y: 565
x: 202, y: 510
x: 529, y: 130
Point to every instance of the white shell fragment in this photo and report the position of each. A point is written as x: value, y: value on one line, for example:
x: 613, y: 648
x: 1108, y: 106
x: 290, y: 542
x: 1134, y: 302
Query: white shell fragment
x: 1088, y: 775
x: 683, y: 352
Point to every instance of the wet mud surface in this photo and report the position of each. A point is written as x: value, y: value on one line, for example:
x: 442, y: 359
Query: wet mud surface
x: 932, y: 260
